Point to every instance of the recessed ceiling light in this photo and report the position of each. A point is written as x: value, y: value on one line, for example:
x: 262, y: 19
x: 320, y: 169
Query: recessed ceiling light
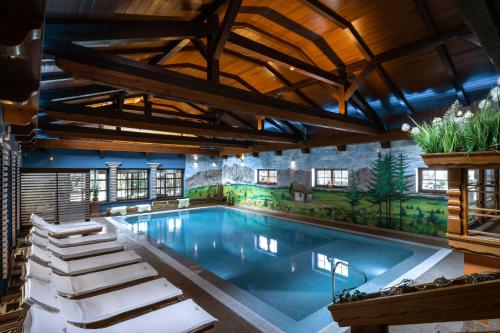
x: 292, y: 68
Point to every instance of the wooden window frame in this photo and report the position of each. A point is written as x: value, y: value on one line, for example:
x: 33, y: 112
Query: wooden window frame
x: 159, y: 179
x: 267, y: 170
x: 129, y: 198
x: 421, y: 178
x: 332, y: 178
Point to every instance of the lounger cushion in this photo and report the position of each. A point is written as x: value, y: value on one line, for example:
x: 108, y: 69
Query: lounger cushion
x: 82, y: 240
x: 38, y: 240
x: 36, y: 292
x: 182, y: 317
x: 38, y: 254
x: 91, y: 282
x: 39, y: 232
x: 108, y: 305
x: 36, y: 271
x: 71, y: 286
x: 65, y: 229
x: 73, y: 252
x: 40, y: 320
x: 92, y: 264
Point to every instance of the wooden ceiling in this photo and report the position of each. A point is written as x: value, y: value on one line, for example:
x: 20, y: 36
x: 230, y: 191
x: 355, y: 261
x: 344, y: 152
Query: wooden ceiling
x: 232, y: 76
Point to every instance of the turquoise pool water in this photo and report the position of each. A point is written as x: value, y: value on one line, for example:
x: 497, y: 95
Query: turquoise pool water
x: 281, y: 263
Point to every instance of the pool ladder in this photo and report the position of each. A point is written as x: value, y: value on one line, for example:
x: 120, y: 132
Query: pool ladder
x: 334, y: 269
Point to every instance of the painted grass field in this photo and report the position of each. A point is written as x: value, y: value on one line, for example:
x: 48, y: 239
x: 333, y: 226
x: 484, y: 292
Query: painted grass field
x: 422, y: 215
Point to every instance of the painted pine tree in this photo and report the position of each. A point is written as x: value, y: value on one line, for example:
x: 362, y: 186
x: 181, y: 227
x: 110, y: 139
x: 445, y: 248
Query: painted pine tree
x: 376, y: 187
x: 388, y: 186
x: 401, y: 179
x: 353, y: 195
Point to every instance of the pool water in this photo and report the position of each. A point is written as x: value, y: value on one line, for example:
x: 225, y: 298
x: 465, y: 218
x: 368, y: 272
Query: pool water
x: 282, y: 263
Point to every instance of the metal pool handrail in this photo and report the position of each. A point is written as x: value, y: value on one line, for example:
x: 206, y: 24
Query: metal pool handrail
x: 334, y: 268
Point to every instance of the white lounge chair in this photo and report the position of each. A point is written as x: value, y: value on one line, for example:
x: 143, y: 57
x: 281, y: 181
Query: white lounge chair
x: 74, y: 252
x: 65, y: 229
x: 71, y: 286
x: 182, y: 317
x: 72, y: 240
x: 101, y: 307
x: 81, y: 266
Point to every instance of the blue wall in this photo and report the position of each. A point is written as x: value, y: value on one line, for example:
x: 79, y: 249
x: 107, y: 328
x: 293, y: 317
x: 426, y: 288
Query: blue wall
x: 89, y: 159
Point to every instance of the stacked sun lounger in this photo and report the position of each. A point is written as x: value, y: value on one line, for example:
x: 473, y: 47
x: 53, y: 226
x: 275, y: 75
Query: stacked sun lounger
x: 115, y: 289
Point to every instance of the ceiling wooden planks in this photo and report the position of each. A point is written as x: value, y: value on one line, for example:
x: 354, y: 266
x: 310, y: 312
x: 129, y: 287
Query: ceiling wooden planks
x: 284, y: 49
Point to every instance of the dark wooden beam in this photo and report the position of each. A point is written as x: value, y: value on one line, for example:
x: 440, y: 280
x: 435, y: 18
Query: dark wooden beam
x: 271, y: 67
x: 175, y: 46
x: 105, y: 117
x: 97, y: 30
x: 176, y: 114
x: 78, y: 132
x: 482, y: 19
x: 225, y: 28
x: 75, y: 93
x: 117, y: 71
x: 140, y: 147
x: 324, y: 141
x: 329, y: 13
x: 443, y: 53
x: 231, y: 76
x: 285, y: 59
x: 396, y: 53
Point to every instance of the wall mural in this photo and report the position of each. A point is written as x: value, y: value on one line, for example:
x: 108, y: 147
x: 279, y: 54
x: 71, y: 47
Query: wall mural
x: 381, y: 189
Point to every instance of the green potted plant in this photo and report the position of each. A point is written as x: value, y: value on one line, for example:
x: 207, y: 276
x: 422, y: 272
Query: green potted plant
x: 463, y: 137
x: 95, y: 193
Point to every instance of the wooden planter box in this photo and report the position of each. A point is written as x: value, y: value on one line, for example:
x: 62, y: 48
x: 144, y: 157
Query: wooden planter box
x: 482, y: 159
x: 460, y: 302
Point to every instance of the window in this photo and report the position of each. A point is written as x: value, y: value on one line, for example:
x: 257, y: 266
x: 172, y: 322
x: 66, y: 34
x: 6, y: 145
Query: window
x: 99, y: 181
x: 267, y: 244
x: 77, y: 187
x: 342, y: 270
x: 332, y: 177
x: 169, y: 183
x: 132, y: 184
x: 433, y: 180
x: 325, y: 264
x: 322, y: 262
x: 266, y: 176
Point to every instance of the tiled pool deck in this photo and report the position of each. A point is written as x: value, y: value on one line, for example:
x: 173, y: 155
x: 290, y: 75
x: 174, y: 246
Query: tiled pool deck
x: 241, y: 312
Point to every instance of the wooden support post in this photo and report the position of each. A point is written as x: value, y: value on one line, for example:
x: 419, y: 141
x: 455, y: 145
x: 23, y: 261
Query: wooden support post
x: 458, y: 201
x: 385, y: 144
x: 260, y: 123
x: 341, y: 100
x: 370, y: 329
x: 341, y: 147
x: 305, y: 150
x: 278, y: 152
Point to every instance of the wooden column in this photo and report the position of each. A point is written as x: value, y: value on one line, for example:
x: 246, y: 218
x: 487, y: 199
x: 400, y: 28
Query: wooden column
x: 457, y: 202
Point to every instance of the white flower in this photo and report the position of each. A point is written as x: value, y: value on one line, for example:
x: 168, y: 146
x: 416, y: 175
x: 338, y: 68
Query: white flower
x: 495, y: 94
x: 437, y: 121
x: 484, y: 104
x: 498, y: 81
x: 468, y: 115
x: 460, y: 114
x: 459, y: 120
x: 405, y: 127
x: 415, y: 130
